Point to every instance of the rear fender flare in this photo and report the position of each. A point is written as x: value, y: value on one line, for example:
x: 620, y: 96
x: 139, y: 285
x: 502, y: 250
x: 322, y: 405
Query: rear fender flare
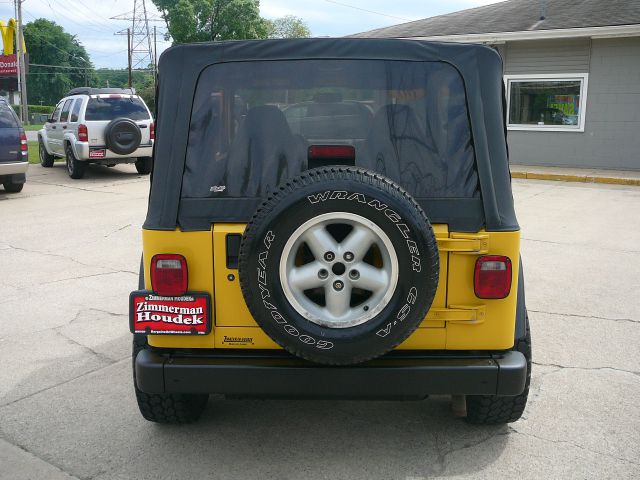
x: 69, y: 138
x: 42, y: 138
x: 141, y: 274
x: 521, y: 307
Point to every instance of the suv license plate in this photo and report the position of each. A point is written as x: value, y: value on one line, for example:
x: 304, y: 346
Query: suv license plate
x: 152, y: 314
x: 97, y: 153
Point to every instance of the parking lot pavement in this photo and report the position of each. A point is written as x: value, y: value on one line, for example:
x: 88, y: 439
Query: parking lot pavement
x: 70, y: 249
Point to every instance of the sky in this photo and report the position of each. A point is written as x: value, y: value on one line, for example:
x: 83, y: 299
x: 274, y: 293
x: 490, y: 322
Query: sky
x: 91, y: 20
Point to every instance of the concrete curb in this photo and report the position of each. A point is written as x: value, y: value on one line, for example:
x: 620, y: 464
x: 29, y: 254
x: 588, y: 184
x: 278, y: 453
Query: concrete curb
x: 565, y: 177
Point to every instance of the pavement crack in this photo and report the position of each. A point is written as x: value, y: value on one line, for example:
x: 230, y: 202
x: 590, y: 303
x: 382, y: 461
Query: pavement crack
x: 33, y: 394
x: 117, y: 230
x: 79, y: 277
x: 587, y: 369
x: 57, y: 255
x: 567, y: 244
x: 74, y: 188
x: 442, y: 457
x: 92, y: 309
x: 49, y: 254
x: 42, y: 459
x: 573, y: 444
x: 595, y: 317
x: 98, y: 355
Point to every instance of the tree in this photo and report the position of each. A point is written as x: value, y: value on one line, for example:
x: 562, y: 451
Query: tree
x: 212, y: 20
x: 288, y: 26
x: 67, y: 61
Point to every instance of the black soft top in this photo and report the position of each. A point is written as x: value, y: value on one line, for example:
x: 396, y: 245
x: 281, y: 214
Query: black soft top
x: 179, y: 70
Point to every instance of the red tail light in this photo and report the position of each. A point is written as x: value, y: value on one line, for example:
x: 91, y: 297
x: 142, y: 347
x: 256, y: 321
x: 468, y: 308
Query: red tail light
x: 332, y: 151
x: 492, y: 277
x: 152, y: 131
x: 169, y: 276
x: 83, y: 133
x: 23, y: 141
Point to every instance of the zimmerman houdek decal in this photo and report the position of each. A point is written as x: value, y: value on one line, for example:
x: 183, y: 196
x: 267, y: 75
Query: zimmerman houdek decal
x: 152, y: 314
x: 185, y: 315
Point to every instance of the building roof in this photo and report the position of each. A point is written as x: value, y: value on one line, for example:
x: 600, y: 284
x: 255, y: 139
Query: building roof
x: 518, y: 16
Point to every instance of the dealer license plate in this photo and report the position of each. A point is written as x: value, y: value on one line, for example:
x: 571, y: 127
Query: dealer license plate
x: 97, y: 153
x: 152, y: 314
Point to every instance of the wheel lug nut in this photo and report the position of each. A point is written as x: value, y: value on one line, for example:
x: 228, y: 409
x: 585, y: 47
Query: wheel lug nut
x: 322, y: 274
x: 329, y: 256
x: 348, y: 256
x: 354, y: 274
x: 338, y: 285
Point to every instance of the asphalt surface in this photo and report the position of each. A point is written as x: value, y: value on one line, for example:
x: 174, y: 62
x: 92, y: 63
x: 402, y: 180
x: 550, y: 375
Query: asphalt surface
x: 69, y: 251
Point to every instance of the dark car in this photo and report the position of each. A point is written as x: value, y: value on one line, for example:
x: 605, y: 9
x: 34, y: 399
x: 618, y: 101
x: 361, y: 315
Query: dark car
x: 13, y: 150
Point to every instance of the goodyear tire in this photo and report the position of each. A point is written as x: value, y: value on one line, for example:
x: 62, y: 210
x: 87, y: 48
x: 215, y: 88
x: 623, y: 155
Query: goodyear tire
x: 339, y: 265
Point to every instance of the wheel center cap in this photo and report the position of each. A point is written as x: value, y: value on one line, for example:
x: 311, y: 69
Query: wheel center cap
x: 338, y: 268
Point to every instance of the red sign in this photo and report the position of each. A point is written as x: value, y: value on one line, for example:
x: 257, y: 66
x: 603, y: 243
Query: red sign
x: 8, y: 65
x: 186, y: 315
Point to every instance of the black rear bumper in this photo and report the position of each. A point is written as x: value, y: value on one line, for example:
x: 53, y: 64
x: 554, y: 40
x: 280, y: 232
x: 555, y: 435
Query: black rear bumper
x: 408, y: 375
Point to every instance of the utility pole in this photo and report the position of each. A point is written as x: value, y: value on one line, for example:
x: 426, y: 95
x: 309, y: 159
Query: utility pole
x: 22, y: 82
x: 15, y: 15
x: 155, y: 60
x: 129, y: 54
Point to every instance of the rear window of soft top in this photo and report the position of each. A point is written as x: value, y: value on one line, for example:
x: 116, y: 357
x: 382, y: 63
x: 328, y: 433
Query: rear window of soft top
x: 253, y: 125
x: 108, y: 108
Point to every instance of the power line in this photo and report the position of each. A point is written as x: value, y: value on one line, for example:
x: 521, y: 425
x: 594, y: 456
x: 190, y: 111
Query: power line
x: 37, y: 34
x: 102, y: 71
x: 106, y: 24
x: 59, y: 66
x: 368, y: 11
x: 69, y: 67
x: 68, y: 18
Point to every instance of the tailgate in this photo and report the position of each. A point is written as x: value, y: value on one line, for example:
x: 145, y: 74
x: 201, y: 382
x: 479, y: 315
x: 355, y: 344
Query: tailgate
x: 10, y: 145
x: 457, y: 319
x: 235, y: 325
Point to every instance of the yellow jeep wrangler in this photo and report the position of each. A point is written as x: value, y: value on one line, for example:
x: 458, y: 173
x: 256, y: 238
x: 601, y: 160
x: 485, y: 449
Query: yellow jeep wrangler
x: 330, y: 218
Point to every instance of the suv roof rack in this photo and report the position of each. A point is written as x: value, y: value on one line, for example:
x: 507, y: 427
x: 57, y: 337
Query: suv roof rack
x: 99, y: 91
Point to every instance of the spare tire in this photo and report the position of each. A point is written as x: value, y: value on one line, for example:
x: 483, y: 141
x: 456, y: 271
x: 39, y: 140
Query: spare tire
x: 122, y: 136
x: 339, y: 265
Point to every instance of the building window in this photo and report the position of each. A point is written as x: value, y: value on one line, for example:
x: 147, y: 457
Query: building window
x: 546, y: 102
